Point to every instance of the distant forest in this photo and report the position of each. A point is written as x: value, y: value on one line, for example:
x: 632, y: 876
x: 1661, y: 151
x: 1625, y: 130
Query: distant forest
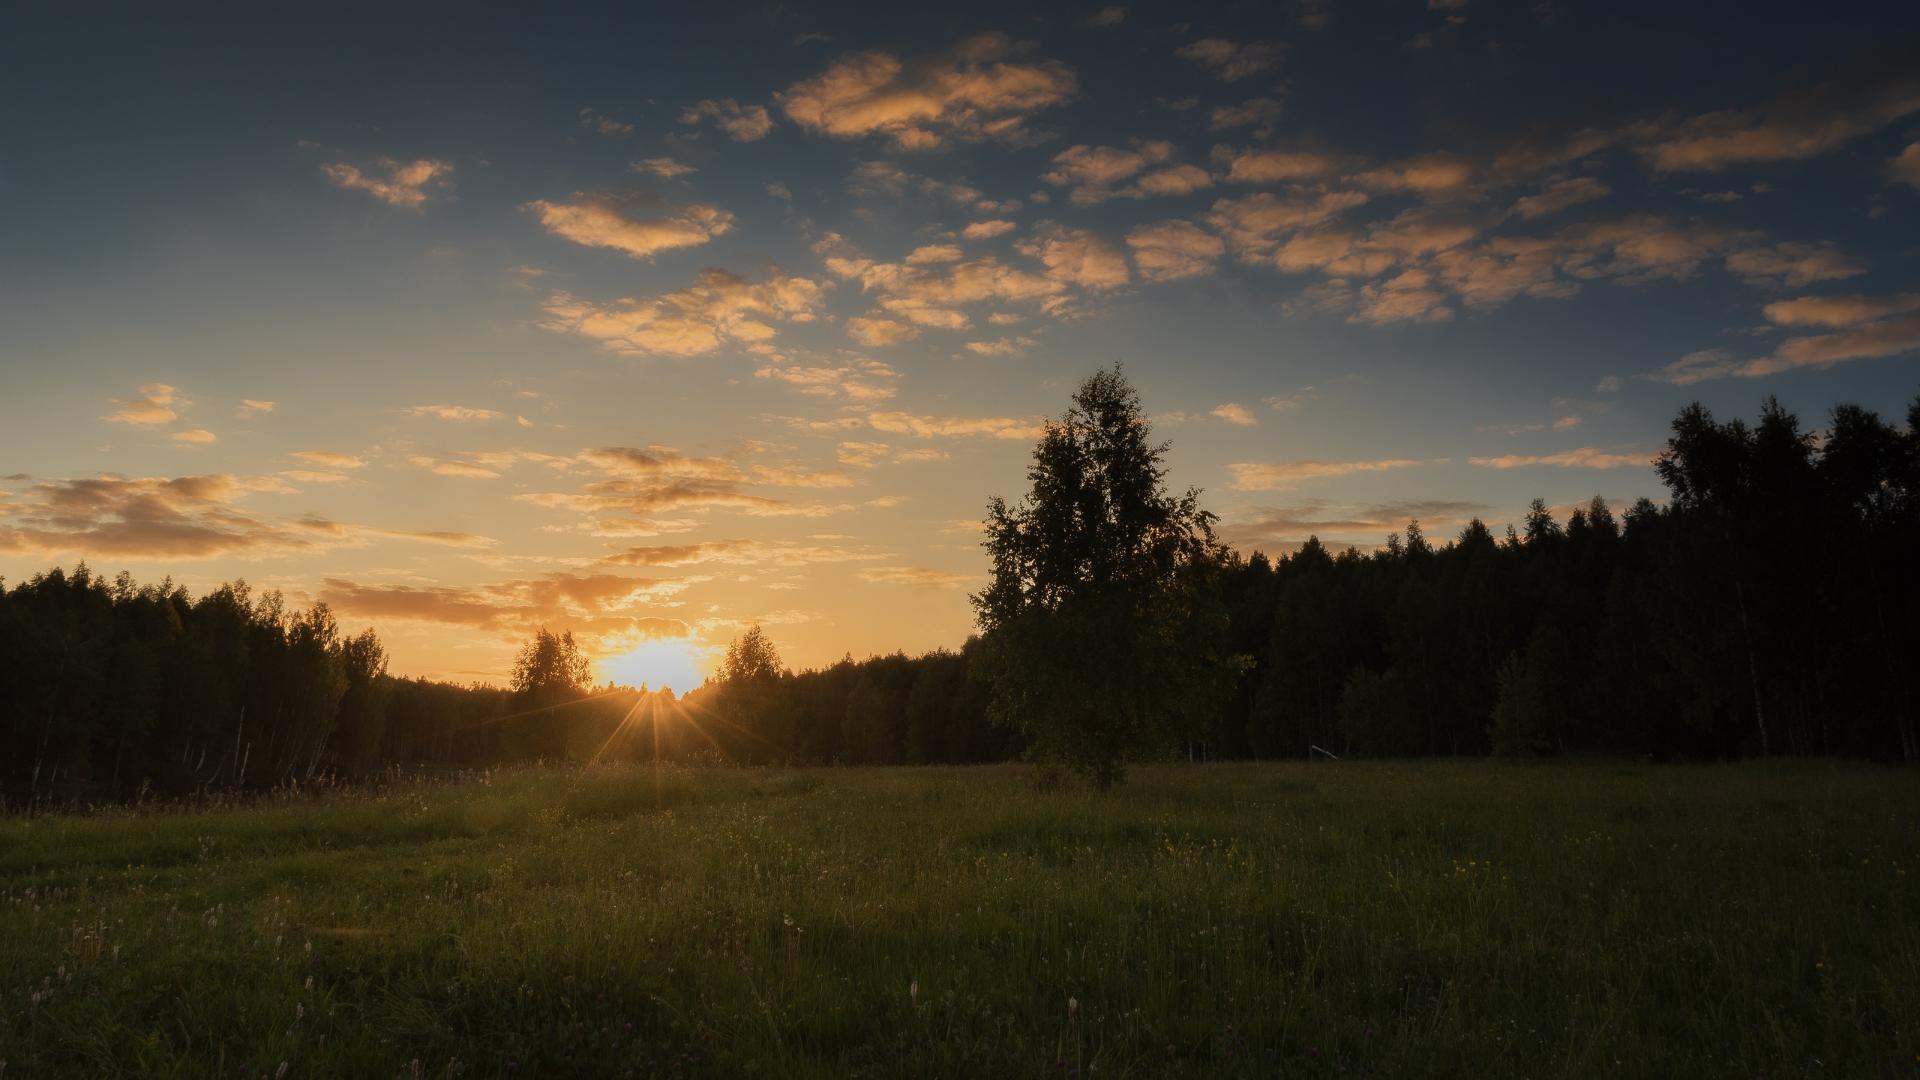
x: 1768, y: 607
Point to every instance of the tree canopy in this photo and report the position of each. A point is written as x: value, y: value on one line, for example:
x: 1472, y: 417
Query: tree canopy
x: 1102, y: 624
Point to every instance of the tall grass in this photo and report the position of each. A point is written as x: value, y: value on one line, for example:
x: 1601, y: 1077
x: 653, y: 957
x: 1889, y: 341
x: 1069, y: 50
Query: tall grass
x: 1241, y: 920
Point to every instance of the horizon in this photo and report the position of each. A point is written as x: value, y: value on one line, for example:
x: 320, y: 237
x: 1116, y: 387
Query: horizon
x: 698, y: 322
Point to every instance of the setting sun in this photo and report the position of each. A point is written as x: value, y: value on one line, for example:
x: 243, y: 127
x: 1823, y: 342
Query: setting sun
x: 657, y: 664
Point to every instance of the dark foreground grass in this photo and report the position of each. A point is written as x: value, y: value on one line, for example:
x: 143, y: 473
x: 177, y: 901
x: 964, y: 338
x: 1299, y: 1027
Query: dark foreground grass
x: 1462, y: 919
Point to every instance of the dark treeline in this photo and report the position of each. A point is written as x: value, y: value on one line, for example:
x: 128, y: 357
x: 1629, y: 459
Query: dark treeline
x: 1766, y: 608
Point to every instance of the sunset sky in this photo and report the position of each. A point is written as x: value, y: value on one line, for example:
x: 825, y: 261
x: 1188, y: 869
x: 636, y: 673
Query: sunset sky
x: 653, y: 325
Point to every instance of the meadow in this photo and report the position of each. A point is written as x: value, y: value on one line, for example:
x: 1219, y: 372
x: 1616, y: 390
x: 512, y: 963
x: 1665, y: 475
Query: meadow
x: 1337, y: 919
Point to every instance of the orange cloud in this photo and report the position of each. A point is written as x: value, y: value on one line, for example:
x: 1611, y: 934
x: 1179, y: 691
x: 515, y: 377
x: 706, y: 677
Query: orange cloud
x: 917, y: 576
x: 620, y: 222
x: 398, y: 185
x: 151, y: 407
x: 1174, y: 250
x: 930, y: 427
x: 1275, y: 476
x: 329, y: 459
x: 716, y: 309
x: 1586, y: 457
x: 973, y: 92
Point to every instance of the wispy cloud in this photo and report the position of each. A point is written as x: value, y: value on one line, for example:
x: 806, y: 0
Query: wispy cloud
x: 461, y: 414
x: 717, y: 309
x: 1277, y: 476
x: 1586, y: 457
x: 917, y: 576
x: 391, y: 182
x: 1233, y: 60
x: 741, y: 123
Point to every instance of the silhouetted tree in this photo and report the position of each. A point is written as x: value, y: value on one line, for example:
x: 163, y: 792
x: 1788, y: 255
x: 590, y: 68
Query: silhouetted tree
x: 1103, y: 628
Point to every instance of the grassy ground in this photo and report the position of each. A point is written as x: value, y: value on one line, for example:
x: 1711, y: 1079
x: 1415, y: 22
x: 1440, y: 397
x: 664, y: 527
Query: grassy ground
x: 1462, y: 919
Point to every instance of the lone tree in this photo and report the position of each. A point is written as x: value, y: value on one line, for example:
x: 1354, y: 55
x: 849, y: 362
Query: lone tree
x: 1103, y: 632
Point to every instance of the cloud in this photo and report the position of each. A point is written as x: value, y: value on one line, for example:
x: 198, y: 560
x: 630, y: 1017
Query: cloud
x: 1801, y: 124
x: 643, y: 481
x: 1232, y: 60
x: 764, y: 553
x: 1077, y: 257
x: 987, y: 230
x: 973, y: 92
x: 914, y: 296
x: 663, y: 167
x: 152, y: 406
x: 1867, y: 341
x: 456, y: 413
x: 619, y: 222
x: 1833, y: 311
x: 1283, y: 528
x: 252, y: 407
x: 605, y: 125
x: 876, y: 333
x: 1425, y: 174
x: 917, y: 576
x: 1276, y: 476
x: 1791, y: 265
x: 1096, y: 173
x: 860, y: 380
x: 935, y: 253
x: 931, y: 427
x: 1560, y: 195
x: 716, y: 309
x: 1905, y: 169
x: 1112, y: 15
x: 187, y: 517
x: 1173, y: 250
x: 329, y: 459
x: 397, y: 184
x: 1887, y: 337
x: 600, y: 605
x: 741, y: 123
x: 861, y: 455
x: 1586, y: 457
x: 1253, y: 225
x: 1260, y: 112
x: 194, y: 437
x: 1000, y: 346
x: 1252, y: 166
x: 453, y: 468
x: 778, y: 190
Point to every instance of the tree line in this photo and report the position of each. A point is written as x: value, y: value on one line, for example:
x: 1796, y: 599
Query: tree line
x: 1765, y: 608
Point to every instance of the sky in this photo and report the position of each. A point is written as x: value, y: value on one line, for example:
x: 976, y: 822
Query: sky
x: 654, y: 323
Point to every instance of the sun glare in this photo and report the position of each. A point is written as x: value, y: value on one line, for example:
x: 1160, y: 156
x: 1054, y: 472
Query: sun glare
x: 658, y: 664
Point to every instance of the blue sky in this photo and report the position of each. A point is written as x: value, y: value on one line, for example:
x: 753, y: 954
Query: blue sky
x: 654, y: 323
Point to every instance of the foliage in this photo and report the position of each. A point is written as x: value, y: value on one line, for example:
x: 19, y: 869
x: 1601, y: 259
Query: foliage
x: 551, y: 665
x: 1103, y: 631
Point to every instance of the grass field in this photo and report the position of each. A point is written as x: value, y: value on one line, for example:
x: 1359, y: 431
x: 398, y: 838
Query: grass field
x: 1464, y: 919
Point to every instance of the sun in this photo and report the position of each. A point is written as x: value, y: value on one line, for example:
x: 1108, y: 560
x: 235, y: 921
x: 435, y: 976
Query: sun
x: 658, y: 663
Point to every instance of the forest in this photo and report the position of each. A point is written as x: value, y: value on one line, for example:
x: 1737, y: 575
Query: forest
x: 1764, y: 608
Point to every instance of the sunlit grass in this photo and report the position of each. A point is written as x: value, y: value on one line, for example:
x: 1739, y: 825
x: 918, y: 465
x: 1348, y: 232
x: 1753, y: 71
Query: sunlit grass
x: 1429, y: 919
